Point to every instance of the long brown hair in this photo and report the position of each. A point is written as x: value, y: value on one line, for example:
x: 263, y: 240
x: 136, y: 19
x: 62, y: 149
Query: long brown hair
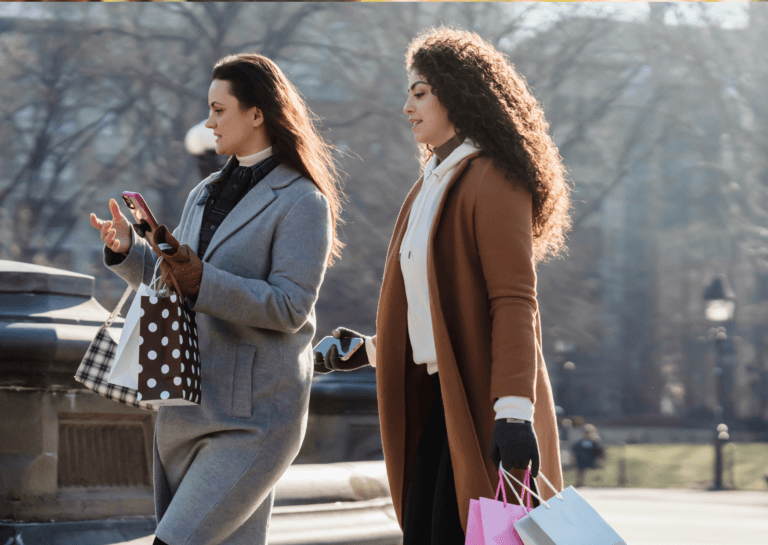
x: 490, y: 103
x: 257, y: 81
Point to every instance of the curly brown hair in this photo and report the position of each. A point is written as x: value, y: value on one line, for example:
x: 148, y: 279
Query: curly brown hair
x: 490, y: 103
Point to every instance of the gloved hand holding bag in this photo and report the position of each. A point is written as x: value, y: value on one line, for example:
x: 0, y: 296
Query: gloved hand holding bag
x: 178, y: 259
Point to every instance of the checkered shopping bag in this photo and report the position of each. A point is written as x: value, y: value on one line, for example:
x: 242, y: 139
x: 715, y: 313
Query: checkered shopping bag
x: 97, y: 363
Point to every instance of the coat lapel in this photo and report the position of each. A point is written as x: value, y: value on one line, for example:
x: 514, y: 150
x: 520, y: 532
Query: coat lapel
x: 399, y: 380
x: 256, y: 200
x: 439, y: 211
x: 465, y: 449
x: 392, y: 360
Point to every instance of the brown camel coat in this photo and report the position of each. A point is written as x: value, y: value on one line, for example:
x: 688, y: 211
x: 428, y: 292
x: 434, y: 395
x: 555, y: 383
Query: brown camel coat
x: 482, y: 286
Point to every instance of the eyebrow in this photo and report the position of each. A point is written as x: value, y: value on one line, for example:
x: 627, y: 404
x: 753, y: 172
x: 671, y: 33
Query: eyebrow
x: 215, y: 102
x: 415, y: 83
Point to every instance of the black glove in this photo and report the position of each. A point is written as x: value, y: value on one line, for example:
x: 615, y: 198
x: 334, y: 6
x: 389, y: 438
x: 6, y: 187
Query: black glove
x: 332, y: 361
x: 515, y: 444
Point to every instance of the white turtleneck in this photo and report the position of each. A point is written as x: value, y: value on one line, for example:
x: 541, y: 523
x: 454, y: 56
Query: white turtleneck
x: 250, y: 160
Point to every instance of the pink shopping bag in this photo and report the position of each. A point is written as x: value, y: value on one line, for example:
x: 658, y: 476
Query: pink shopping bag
x: 491, y: 522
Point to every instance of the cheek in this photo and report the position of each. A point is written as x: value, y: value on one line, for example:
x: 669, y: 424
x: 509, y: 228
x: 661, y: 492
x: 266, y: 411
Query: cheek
x: 434, y: 118
x: 435, y: 113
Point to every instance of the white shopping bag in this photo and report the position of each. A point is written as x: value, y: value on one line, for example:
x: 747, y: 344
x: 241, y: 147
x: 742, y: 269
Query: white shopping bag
x: 566, y: 519
x: 125, y: 371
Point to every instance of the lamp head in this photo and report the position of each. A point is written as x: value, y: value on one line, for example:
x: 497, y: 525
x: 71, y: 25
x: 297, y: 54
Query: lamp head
x: 720, y: 300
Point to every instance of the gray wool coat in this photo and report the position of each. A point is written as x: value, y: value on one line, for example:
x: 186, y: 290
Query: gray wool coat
x: 216, y: 464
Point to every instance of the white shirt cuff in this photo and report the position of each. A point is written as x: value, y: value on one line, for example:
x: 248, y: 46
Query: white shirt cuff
x: 514, y: 407
x: 370, y: 350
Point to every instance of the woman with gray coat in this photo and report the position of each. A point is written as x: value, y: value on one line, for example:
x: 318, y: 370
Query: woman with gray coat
x: 254, y: 242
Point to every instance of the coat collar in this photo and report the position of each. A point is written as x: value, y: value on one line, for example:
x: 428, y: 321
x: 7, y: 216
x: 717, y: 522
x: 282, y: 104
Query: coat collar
x: 405, y: 211
x: 464, y: 150
x: 256, y: 200
x: 280, y: 176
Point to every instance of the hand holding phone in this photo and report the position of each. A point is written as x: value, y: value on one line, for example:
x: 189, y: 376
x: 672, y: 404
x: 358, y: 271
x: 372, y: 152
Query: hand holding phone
x: 345, y: 348
x: 115, y: 233
x: 139, y: 209
x: 345, y: 351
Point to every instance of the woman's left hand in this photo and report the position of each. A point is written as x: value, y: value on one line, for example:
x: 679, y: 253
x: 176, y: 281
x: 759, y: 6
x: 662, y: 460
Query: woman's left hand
x: 515, y: 444
x: 183, y: 263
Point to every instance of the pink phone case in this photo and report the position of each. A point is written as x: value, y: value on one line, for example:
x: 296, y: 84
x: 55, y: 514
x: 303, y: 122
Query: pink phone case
x: 139, y: 208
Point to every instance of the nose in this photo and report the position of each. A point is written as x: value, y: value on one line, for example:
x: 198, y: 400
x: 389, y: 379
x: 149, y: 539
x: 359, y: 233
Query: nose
x: 407, y: 108
x: 209, y: 122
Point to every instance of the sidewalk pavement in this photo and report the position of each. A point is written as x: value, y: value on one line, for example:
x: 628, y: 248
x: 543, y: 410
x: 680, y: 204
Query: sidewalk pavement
x: 369, y: 522
x: 640, y: 516
x: 645, y: 516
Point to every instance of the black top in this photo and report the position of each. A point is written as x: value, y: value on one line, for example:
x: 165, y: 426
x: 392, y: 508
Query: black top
x: 222, y: 195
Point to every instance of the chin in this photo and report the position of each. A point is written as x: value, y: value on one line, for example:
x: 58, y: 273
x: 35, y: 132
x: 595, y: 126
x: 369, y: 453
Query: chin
x: 426, y: 141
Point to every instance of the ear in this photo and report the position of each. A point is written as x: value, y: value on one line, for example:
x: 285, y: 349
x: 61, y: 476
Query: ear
x: 258, y: 117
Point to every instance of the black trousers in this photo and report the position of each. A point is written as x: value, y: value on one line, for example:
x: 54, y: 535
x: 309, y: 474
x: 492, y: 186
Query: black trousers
x: 431, y: 509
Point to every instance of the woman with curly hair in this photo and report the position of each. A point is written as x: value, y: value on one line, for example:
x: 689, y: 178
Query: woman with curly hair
x: 462, y: 382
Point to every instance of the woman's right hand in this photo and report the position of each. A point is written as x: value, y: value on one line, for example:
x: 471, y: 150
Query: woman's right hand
x: 116, y: 234
x: 332, y: 361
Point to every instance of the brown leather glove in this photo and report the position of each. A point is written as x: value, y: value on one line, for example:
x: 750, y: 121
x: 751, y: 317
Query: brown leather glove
x: 179, y: 262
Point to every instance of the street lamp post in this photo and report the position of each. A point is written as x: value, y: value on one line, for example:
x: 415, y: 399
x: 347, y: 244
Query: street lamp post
x: 720, y: 308
x: 721, y: 436
x: 201, y: 143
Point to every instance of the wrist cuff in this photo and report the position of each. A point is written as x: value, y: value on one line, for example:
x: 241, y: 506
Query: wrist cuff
x: 514, y: 407
x: 370, y: 350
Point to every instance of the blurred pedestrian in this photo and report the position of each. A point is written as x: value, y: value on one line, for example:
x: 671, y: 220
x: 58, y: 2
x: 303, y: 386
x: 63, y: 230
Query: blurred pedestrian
x: 588, y: 452
x: 462, y: 383
x: 253, y: 245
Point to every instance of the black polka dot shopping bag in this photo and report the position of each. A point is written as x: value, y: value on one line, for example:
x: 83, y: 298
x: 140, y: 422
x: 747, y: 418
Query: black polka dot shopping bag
x: 169, y: 357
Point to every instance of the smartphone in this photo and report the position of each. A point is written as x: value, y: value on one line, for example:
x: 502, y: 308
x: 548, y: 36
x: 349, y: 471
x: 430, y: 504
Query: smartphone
x: 346, y: 347
x: 139, y: 209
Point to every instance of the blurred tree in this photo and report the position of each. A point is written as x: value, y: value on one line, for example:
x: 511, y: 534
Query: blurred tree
x: 53, y: 111
x: 661, y: 127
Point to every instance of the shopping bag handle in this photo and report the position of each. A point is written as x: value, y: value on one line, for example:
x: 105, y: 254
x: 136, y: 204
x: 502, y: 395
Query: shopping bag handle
x: 156, y: 279
x: 159, y: 253
x: 508, y: 475
x: 527, y: 481
x: 504, y: 493
x: 119, y: 307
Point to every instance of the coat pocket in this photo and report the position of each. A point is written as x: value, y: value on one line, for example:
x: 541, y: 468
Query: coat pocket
x: 242, y: 385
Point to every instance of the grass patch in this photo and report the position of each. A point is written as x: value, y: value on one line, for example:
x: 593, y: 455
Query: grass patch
x: 680, y: 466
